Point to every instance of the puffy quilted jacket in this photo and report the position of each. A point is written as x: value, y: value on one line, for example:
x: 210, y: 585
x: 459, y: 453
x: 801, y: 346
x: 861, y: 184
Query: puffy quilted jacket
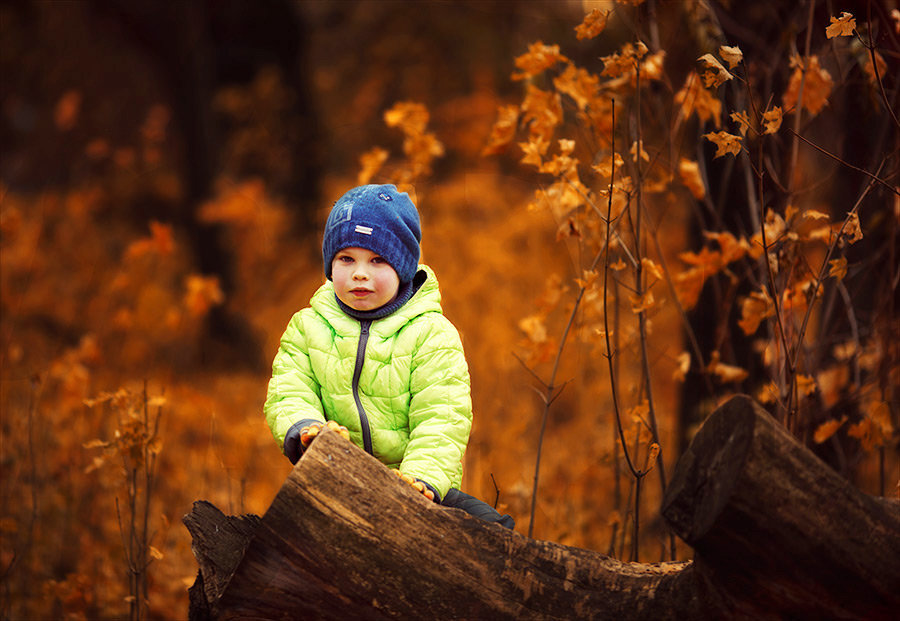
x: 399, y: 384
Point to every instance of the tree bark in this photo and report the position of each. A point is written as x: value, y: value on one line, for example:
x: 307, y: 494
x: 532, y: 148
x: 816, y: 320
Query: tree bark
x: 776, y: 534
x: 775, y: 531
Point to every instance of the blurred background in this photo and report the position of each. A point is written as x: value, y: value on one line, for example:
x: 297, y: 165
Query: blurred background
x: 166, y: 169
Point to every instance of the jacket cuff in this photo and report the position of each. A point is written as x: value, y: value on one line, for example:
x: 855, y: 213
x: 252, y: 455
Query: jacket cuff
x: 293, y: 432
x: 437, y: 496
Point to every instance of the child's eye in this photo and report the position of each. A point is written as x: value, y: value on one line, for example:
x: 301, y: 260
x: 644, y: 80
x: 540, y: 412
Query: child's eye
x: 345, y: 258
x: 378, y: 260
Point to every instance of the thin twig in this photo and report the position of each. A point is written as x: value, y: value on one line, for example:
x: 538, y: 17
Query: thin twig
x: 875, y: 178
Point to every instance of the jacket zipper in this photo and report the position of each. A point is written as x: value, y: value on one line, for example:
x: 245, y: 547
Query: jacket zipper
x: 357, y: 372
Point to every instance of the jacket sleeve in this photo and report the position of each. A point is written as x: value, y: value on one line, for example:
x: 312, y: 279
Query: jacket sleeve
x: 440, y: 410
x: 294, y: 394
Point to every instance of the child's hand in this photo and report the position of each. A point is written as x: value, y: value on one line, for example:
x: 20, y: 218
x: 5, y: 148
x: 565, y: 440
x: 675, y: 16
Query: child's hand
x: 308, y: 434
x: 417, y: 485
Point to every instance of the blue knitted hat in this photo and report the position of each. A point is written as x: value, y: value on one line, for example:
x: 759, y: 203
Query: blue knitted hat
x: 378, y: 218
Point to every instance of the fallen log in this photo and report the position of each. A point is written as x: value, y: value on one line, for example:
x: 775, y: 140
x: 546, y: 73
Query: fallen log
x: 344, y: 539
x: 775, y: 531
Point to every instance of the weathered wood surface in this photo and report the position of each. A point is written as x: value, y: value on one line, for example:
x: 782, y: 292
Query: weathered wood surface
x: 776, y: 531
x: 344, y: 539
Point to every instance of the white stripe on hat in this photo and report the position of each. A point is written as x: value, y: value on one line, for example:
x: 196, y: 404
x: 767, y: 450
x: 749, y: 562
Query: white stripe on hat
x: 365, y: 230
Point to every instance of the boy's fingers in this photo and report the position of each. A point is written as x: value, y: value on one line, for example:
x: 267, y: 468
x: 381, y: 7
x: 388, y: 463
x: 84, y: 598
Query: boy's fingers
x: 428, y: 494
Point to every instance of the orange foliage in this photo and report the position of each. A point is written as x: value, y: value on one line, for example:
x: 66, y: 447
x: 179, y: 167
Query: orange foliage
x: 587, y: 243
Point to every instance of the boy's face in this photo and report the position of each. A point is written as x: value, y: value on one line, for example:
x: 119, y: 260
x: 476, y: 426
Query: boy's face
x: 362, y: 279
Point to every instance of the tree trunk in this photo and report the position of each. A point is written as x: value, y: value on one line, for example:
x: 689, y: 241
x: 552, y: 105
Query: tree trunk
x: 345, y: 539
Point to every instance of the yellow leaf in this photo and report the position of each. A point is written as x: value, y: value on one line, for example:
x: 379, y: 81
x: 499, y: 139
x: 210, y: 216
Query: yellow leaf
x: 410, y: 116
x: 817, y: 85
x: 641, y: 303
x: 534, y: 151
x: 827, y: 429
x: 852, y: 230
x: 694, y: 99
x: 155, y: 553
x: 731, y: 55
x: 533, y: 326
x: 581, y: 85
x: 590, y: 277
x: 725, y: 373
x: 772, y: 120
x: 715, y: 74
x: 806, y: 385
x: 754, y: 309
x: 842, y: 26
x: 539, y: 58
x: 652, y: 267
x: 684, y: 365
x: 370, y: 163
x: 838, y: 268
x: 503, y: 130
x: 725, y: 143
x: 689, y: 171
x: 743, y: 121
x: 202, y: 293
x: 593, y: 24
x: 868, y: 433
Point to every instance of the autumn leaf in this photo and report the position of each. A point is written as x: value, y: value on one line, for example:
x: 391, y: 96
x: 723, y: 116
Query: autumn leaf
x: 503, y: 131
x: 370, y: 163
x: 806, y: 385
x: 715, y: 73
x: 589, y: 277
x: 159, y: 242
x: 772, y: 120
x: 754, y: 309
x: 683, y: 366
x: 638, y: 150
x: 533, y: 326
x: 625, y: 61
x: 593, y: 24
x: 725, y: 373
x: 410, y: 116
x: 541, y: 112
x: 642, y: 303
x: 832, y: 381
x: 743, y: 121
x: 689, y: 171
x: 732, y: 55
x: 579, y: 84
x: 694, y: 99
x: 652, y: 267
x: 538, y: 59
x: 842, y: 26
x: 731, y: 248
x: 816, y: 87
x: 534, y: 151
x: 725, y: 143
x: 852, y: 230
x: 827, y: 429
x: 202, y: 293
x: 838, y: 268
x: 880, y: 64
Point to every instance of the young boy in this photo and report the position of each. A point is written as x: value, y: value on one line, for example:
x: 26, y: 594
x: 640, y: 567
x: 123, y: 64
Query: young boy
x: 375, y: 356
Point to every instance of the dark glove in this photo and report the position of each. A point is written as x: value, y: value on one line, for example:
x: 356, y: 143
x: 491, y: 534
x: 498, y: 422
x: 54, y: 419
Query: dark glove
x: 301, y: 434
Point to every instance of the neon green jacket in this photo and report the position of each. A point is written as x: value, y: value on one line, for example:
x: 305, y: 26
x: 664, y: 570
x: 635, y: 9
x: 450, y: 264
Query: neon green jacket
x: 414, y: 409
